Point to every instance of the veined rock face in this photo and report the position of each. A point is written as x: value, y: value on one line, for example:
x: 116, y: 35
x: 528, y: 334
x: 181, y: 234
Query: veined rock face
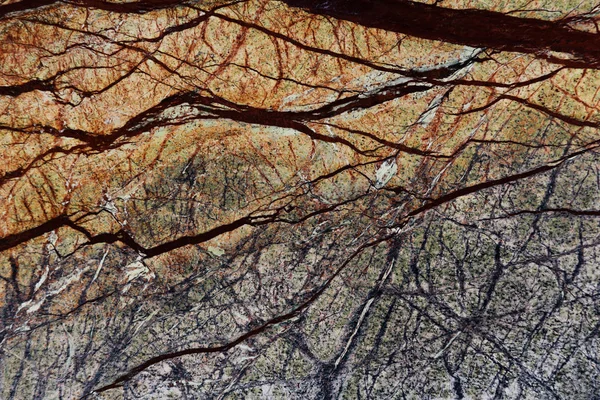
x: 344, y: 199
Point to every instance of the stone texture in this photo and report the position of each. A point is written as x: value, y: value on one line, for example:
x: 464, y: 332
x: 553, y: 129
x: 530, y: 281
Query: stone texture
x: 299, y: 200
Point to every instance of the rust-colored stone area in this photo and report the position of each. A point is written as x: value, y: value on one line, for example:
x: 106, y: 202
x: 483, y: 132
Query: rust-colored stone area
x: 254, y: 199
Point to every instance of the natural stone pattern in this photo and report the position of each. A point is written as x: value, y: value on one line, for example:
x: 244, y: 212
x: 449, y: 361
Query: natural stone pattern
x: 258, y: 199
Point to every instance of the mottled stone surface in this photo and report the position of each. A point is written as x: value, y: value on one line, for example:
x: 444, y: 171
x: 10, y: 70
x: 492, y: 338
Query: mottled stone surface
x: 344, y: 199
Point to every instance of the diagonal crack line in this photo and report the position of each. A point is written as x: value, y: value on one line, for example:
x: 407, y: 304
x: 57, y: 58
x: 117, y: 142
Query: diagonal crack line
x: 249, y: 220
x: 533, y: 106
x: 210, y: 234
x: 135, y: 7
x: 558, y: 210
x: 471, y: 27
x: 124, y: 237
x: 222, y: 108
x: 500, y: 181
x: 438, y: 72
x: 201, y: 350
x: 254, y: 332
x: 16, y: 239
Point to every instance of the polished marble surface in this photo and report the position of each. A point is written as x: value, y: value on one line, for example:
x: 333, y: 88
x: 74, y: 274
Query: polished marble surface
x: 343, y: 199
